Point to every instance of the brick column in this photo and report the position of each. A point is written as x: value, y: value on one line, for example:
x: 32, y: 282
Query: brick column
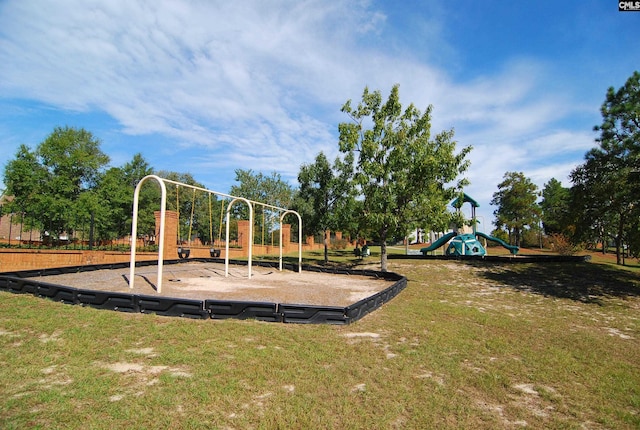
x: 286, y: 236
x: 338, y: 235
x: 243, y: 236
x: 170, y: 233
x: 310, y: 240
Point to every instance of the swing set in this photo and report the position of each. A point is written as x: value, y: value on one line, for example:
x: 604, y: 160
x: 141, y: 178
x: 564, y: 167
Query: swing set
x: 184, y: 251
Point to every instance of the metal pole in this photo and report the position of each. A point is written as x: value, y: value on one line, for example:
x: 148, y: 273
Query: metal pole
x: 226, y: 249
x: 134, y: 230
x: 299, y: 238
x: 299, y: 243
x: 91, y: 230
x: 10, y: 224
x: 21, y: 224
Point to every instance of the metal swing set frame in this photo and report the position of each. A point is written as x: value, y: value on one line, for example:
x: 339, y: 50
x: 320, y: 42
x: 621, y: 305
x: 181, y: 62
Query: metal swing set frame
x: 233, y: 199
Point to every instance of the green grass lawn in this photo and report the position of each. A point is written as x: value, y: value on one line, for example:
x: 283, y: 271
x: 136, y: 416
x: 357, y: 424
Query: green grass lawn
x: 465, y: 345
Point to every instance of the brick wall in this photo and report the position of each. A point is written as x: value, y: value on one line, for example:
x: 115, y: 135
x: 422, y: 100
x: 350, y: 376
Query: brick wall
x: 11, y: 232
x: 25, y: 259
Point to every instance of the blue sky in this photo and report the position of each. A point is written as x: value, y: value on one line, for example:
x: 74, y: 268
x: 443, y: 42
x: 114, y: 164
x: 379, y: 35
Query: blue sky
x: 207, y: 87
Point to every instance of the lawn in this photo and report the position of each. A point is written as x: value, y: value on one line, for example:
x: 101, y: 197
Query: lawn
x: 465, y: 345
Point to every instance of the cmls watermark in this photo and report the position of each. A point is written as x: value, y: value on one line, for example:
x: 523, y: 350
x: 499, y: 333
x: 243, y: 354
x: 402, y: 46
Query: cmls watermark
x: 629, y: 6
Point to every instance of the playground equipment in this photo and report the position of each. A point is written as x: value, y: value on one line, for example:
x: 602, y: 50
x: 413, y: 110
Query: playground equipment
x: 438, y: 243
x: 184, y: 251
x: 466, y: 244
x: 163, y: 205
x: 512, y: 248
x: 184, y: 246
x: 213, y: 252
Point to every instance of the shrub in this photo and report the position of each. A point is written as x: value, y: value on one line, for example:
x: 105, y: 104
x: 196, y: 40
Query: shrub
x: 339, y: 244
x: 561, y: 244
x: 530, y: 238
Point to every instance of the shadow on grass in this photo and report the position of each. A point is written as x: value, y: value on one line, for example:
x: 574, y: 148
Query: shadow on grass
x: 337, y: 258
x: 584, y: 282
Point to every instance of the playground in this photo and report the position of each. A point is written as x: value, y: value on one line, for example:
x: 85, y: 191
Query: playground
x: 214, y: 287
x: 458, y: 244
x: 217, y: 287
x: 206, y: 280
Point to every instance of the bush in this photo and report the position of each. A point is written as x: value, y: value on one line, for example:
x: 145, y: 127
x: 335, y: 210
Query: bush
x: 530, y: 239
x: 561, y: 244
x: 339, y: 244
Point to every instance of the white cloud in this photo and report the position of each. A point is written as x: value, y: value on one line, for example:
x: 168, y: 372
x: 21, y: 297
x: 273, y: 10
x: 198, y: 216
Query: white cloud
x: 259, y: 84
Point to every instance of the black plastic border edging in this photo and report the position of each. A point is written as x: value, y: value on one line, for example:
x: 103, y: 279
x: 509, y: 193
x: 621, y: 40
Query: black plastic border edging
x: 224, y: 309
x: 310, y: 314
x: 22, y: 282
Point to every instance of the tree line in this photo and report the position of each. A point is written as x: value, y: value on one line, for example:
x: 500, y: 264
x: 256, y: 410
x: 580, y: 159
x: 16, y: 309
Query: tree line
x: 602, y: 206
x: 392, y: 175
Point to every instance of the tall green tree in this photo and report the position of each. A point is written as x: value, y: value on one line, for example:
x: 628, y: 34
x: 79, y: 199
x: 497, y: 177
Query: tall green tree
x: 258, y: 187
x: 24, y: 177
x: 107, y: 209
x: 326, y: 197
x: 269, y: 189
x: 607, y: 182
x: 555, y: 207
x: 403, y: 173
x: 517, y: 208
x: 149, y: 198
x: 194, y: 217
x: 620, y: 128
x: 110, y: 206
x: 595, y: 207
x: 67, y: 164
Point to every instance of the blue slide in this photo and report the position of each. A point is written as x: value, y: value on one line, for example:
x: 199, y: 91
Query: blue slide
x: 513, y: 249
x: 438, y: 243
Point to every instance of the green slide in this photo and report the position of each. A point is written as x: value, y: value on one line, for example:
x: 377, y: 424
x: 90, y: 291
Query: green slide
x: 438, y: 243
x: 513, y: 249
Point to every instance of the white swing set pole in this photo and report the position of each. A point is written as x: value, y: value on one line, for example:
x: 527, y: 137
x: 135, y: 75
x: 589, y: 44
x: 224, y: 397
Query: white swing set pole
x: 299, y: 238
x: 134, y: 230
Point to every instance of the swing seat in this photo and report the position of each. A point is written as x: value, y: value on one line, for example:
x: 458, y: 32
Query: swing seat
x: 183, y: 252
x: 215, y: 253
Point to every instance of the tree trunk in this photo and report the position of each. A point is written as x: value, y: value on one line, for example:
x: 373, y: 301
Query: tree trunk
x: 619, y: 260
x: 383, y: 250
x: 327, y: 237
x: 383, y: 255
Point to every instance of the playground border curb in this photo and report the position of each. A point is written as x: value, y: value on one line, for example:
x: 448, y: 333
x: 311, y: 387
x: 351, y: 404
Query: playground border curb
x: 21, y: 282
